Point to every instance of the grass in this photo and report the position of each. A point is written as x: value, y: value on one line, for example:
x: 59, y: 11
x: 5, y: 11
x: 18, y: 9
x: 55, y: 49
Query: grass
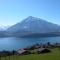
x: 54, y: 55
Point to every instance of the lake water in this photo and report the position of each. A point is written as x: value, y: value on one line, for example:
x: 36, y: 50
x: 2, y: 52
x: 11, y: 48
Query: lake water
x: 11, y: 43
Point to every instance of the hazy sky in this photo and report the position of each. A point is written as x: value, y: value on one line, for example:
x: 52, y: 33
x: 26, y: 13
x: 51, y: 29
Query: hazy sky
x: 13, y: 11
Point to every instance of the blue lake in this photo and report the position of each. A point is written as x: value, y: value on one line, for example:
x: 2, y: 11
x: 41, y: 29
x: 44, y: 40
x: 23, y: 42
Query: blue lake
x: 11, y: 43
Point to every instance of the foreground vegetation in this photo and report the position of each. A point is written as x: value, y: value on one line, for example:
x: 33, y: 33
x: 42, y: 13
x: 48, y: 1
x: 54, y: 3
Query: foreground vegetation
x: 53, y: 55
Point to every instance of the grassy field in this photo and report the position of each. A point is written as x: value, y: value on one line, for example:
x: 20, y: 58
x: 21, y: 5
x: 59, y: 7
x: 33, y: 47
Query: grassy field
x: 54, y: 55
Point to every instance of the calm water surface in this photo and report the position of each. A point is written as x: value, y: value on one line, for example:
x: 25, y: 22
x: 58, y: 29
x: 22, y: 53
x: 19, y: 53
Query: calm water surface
x: 11, y: 43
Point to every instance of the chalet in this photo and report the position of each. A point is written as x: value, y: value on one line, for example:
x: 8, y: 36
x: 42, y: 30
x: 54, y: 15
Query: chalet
x: 23, y: 52
x: 42, y: 50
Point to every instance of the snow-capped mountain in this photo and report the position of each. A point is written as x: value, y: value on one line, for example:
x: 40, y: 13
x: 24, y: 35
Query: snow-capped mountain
x: 3, y: 28
x: 33, y: 25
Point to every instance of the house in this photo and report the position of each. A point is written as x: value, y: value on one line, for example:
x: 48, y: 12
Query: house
x: 23, y: 52
x: 42, y: 50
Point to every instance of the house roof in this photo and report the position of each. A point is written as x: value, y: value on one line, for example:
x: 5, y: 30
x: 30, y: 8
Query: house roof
x: 21, y: 51
x: 40, y: 49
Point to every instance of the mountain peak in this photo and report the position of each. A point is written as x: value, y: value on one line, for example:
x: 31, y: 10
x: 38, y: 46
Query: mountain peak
x: 31, y: 18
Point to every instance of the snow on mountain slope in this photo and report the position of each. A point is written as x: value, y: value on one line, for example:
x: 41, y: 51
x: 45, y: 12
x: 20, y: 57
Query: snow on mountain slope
x: 3, y: 28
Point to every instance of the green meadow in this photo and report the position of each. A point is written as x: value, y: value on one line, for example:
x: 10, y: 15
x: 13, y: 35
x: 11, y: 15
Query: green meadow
x: 53, y: 55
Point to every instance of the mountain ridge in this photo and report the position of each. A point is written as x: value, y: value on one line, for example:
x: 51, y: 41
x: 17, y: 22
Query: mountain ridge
x: 26, y: 24
x: 32, y: 27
